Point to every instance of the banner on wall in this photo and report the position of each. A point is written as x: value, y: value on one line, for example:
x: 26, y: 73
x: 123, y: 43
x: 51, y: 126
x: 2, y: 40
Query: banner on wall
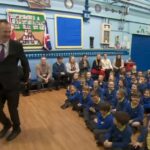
x: 28, y: 28
x: 38, y: 4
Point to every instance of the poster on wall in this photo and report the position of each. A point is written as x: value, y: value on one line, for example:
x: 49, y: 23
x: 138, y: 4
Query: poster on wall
x: 38, y: 4
x: 68, y: 31
x: 28, y: 27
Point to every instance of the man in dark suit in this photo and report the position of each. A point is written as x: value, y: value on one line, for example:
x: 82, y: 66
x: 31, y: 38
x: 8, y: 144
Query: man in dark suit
x: 10, y: 53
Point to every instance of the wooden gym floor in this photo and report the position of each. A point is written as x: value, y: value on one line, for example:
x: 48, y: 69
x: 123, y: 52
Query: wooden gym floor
x: 45, y: 126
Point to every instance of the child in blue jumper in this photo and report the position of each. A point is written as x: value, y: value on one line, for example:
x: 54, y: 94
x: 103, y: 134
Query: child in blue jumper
x: 140, y: 143
x: 73, y: 97
x: 145, y: 100
x: 85, y: 101
x: 119, y: 136
x: 89, y: 80
x: 93, y: 109
x: 135, y: 111
x: 142, y: 84
x: 102, y: 123
x: 121, y: 101
x: 76, y: 82
x: 110, y: 93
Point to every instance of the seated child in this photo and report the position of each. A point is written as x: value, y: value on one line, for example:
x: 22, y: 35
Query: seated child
x: 135, y: 111
x: 92, y: 111
x: 121, y: 85
x: 73, y: 97
x: 142, y: 84
x: 110, y: 93
x: 119, y: 136
x: 89, y: 80
x: 85, y: 100
x: 140, y: 143
x: 76, y: 82
x: 95, y: 85
x: 102, y: 123
x: 133, y: 90
x: 145, y: 100
x: 121, y: 101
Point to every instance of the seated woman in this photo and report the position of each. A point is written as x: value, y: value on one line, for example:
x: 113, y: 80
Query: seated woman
x: 43, y: 73
x: 84, y: 65
x: 106, y: 65
x: 97, y: 67
x: 72, y: 67
x: 117, y: 65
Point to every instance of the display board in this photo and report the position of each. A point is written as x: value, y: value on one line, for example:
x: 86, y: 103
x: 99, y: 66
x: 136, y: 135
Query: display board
x: 28, y: 27
x: 68, y: 31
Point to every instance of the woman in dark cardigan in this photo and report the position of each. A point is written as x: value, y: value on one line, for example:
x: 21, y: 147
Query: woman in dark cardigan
x: 84, y: 65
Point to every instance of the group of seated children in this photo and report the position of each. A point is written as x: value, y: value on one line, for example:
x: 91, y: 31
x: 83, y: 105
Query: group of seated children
x: 113, y: 110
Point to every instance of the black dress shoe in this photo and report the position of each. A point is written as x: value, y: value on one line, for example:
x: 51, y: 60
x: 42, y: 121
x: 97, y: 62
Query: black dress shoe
x: 57, y: 88
x: 4, y: 130
x: 13, y: 134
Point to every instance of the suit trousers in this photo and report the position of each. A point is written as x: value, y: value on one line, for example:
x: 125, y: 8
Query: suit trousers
x: 12, y: 98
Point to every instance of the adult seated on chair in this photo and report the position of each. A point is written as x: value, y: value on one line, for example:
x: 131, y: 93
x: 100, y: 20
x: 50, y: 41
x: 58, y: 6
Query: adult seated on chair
x: 43, y: 73
x: 72, y: 67
x: 84, y: 65
x: 97, y: 67
x: 59, y: 73
x: 106, y: 65
x: 118, y: 64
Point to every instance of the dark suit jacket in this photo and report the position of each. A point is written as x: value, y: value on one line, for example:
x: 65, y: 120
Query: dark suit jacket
x: 9, y: 67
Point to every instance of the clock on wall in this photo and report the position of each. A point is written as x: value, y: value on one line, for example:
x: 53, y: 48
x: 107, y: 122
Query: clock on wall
x: 68, y: 4
x: 98, y: 8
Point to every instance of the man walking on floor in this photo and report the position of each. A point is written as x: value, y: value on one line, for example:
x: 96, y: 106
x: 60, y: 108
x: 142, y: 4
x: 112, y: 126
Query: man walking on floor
x: 10, y: 53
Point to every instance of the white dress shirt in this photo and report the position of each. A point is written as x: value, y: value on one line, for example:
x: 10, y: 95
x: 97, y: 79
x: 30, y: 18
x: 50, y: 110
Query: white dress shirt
x: 6, y: 48
x: 106, y: 64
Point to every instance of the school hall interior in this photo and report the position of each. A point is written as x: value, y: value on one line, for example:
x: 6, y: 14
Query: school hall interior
x: 89, y: 82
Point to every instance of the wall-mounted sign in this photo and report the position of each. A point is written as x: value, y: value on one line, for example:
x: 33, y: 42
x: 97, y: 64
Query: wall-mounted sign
x: 28, y: 27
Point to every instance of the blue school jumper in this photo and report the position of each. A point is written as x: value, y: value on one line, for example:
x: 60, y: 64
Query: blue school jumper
x: 119, y: 139
x: 104, y: 122
x: 89, y: 82
x: 146, y: 102
x: 77, y: 84
x: 110, y: 97
x: 122, y: 106
x: 137, y: 113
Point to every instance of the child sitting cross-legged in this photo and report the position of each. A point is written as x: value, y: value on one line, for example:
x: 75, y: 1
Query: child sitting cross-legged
x: 135, y: 111
x: 145, y: 100
x: 140, y: 142
x: 102, y: 123
x: 85, y: 100
x: 91, y: 111
x: 73, y: 97
x: 119, y: 136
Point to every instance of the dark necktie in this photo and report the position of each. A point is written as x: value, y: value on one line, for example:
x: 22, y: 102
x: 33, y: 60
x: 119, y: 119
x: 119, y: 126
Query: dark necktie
x: 2, y: 53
